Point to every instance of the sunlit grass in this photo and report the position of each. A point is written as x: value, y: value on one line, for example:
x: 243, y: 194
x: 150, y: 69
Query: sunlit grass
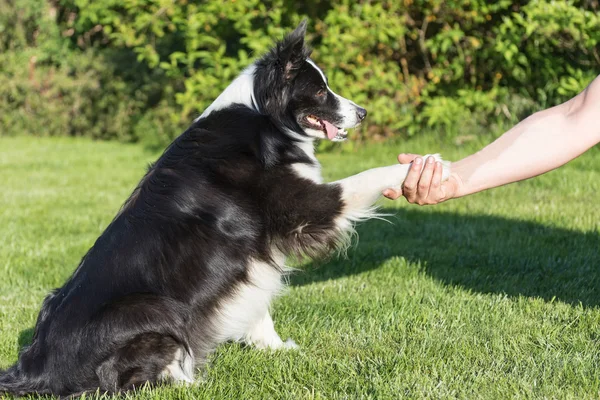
x: 496, y: 295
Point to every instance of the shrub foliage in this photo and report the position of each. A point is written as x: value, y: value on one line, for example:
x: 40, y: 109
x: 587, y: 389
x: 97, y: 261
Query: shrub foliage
x: 140, y: 70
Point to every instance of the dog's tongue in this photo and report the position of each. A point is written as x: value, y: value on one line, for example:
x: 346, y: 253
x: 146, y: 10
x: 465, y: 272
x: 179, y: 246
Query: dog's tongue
x: 331, y: 130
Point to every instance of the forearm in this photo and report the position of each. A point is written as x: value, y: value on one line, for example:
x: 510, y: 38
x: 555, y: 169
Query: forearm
x: 540, y: 143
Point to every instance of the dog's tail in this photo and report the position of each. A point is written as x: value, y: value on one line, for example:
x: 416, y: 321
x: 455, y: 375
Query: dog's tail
x: 14, y: 383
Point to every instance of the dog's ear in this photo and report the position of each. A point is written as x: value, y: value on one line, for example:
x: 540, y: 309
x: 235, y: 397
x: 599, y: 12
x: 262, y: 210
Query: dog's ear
x: 292, y: 52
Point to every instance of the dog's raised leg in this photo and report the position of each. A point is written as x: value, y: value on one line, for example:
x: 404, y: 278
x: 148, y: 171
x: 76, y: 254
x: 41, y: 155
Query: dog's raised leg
x: 263, y: 335
x: 308, y: 231
x: 361, y: 191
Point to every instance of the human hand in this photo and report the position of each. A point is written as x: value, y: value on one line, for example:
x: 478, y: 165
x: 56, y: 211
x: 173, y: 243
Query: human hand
x: 423, y: 185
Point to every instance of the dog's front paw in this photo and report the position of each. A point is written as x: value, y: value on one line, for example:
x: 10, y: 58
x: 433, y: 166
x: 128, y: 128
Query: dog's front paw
x: 445, y: 164
x: 289, y: 344
x: 276, y: 344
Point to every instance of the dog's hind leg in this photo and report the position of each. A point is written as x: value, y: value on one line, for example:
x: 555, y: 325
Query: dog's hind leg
x: 262, y: 335
x: 146, y: 358
x: 143, y: 338
x: 181, y: 369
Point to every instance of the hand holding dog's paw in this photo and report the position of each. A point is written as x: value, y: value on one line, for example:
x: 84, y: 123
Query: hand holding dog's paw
x: 429, y: 180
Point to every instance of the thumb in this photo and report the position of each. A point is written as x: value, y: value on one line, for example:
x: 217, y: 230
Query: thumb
x: 406, y: 158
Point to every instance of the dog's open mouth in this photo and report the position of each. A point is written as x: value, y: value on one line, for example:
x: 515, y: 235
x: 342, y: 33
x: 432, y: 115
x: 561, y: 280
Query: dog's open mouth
x: 331, y: 131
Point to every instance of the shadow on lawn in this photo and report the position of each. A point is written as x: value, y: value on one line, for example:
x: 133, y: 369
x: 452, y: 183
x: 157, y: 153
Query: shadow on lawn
x: 481, y: 253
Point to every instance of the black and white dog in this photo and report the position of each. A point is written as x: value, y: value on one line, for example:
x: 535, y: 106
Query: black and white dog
x: 197, y: 253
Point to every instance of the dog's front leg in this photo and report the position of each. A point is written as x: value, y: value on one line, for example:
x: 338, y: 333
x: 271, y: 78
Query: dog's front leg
x: 263, y: 335
x: 361, y: 191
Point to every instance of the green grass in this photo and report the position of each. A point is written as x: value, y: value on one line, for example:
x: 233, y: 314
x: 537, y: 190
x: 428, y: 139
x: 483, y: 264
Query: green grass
x: 496, y: 295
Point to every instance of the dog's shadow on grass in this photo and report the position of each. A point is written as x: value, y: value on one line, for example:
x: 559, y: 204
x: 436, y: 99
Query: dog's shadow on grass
x: 481, y: 253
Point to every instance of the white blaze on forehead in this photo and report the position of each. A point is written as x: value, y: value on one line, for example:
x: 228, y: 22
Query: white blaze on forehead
x: 240, y: 91
x: 315, y: 66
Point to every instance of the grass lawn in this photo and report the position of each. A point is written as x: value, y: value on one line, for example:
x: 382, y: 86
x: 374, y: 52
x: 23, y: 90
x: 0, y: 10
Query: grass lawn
x: 492, y: 296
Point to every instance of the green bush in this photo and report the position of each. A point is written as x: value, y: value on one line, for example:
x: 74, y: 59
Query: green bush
x: 141, y: 70
x: 51, y: 85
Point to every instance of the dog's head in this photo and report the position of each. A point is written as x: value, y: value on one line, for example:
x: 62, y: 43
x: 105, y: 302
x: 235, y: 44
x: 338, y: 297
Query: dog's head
x: 292, y: 89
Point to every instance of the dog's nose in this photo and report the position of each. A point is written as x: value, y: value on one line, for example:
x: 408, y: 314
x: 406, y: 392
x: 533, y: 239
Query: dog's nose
x: 361, y: 113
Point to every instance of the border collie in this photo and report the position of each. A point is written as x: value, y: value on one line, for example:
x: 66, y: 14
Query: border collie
x: 197, y: 253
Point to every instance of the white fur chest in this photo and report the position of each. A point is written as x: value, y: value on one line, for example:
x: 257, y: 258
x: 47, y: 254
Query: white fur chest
x: 312, y: 171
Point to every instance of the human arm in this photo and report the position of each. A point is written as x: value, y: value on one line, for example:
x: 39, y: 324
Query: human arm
x: 540, y: 143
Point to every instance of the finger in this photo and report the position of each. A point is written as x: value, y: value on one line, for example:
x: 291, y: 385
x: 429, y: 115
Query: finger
x: 425, y: 181
x: 435, y: 192
x: 392, y: 194
x: 409, y: 188
x: 406, y: 158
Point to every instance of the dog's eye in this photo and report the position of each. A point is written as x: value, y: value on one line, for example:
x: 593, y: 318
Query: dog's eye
x: 321, y: 93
